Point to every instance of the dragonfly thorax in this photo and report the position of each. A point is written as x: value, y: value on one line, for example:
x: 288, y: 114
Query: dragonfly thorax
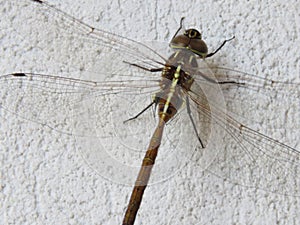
x: 177, y: 78
x: 187, y: 62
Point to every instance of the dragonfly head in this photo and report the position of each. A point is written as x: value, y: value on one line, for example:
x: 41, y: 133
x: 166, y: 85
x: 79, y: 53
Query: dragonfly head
x: 191, y: 40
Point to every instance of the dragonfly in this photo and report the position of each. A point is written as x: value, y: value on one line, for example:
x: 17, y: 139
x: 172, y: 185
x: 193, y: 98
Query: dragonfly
x: 188, y: 97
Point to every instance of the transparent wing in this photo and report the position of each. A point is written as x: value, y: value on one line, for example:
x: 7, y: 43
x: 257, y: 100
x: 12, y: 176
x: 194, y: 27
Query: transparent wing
x: 94, y: 113
x: 49, y: 100
x: 249, y: 157
x: 73, y: 42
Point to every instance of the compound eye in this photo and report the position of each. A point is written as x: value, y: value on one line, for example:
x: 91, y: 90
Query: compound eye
x: 192, y: 33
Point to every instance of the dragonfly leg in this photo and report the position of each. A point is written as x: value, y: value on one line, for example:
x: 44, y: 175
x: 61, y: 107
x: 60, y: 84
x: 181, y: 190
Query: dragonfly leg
x: 221, y: 82
x: 145, y: 68
x: 192, y: 120
x: 155, y: 101
x: 180, y: 27
x: 218, y: 49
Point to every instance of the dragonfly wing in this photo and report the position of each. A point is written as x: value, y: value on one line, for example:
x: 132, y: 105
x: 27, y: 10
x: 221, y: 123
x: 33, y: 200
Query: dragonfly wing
x: 246, y: 93
x: 55, y: 101
x: 92, y: 112
x: 248, y: 157
x: 73, y: 42
x: 252, y: 159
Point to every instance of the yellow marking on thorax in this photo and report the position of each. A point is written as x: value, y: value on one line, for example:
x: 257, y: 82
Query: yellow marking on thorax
x: 191, y: 58
x: 172, y: 90
x: 176, y: 54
